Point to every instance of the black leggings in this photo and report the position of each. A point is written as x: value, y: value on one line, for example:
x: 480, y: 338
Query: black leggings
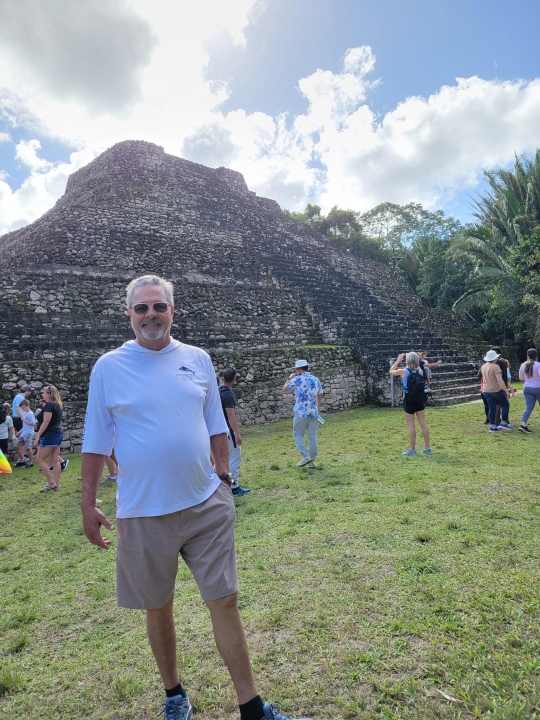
x: 486, y: 405
x: 4, y: 445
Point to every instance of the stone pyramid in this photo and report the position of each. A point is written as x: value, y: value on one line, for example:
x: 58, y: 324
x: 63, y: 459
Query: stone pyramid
x: 253, y: 287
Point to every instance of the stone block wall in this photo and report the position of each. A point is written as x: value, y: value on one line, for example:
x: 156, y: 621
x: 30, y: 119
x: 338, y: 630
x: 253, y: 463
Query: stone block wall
x: 259, y: 390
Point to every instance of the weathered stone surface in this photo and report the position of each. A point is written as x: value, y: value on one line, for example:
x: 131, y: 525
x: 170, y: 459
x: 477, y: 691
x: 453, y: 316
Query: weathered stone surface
x: 253, y: 287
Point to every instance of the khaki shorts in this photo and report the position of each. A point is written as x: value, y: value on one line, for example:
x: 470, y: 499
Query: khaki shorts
x: 148, y: 549
x: 25, y: 441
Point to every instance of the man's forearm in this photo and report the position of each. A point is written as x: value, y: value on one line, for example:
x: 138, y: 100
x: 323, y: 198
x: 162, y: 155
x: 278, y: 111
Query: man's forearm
x: 319, y: 404
x: 219, y: 446
x: 91, y: 470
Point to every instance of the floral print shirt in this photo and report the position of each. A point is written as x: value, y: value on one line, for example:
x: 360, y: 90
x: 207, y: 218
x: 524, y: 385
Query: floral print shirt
x: 306, y: 387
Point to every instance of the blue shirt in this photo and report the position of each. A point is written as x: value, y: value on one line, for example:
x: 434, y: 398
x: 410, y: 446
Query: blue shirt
x: 306, y: 387
x: 15, y: 404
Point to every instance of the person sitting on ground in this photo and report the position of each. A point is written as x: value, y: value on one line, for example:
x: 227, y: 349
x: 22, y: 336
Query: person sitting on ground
x: 49, y: 437
x: 6, y: 428
x: 496, y: 392
x: 25, y: 436
x: 17, y: 420
x: 414, y: 401
x: 529, y: 374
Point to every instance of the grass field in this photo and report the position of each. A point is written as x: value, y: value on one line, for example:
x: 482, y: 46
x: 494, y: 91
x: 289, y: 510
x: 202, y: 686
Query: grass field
x: 375, y: 586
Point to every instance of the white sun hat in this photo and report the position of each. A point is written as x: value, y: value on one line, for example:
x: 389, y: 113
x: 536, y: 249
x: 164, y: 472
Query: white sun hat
x: 491, y: 355
x: 301, y: 364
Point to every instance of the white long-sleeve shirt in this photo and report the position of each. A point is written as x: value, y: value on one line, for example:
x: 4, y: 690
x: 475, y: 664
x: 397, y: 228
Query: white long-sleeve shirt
x: 158, y: 410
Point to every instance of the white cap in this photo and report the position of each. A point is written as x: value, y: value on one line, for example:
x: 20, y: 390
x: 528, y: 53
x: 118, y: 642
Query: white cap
x: 301, y: 364
x: 491, y: 355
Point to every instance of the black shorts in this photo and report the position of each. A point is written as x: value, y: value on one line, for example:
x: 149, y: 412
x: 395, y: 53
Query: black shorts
x: 17, y: 423
x: 4, y: 445
x: 412, y: 407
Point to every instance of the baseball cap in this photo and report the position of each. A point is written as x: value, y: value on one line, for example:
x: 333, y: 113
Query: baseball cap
x: 26, y: 388
x: 301, y: 363
x: 491, y: 355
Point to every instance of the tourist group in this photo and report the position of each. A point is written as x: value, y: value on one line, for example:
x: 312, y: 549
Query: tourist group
x: 154, y: 387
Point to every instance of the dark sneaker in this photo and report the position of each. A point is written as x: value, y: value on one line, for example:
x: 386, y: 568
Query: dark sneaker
x: 239, y: 490
x: 28, y: 465
x: 177, y: 708
x: 272, y: 712
x: 108, y: 479
x: 63, y: 465
x: 494, y: 428
x: 506, y: 426
x: 20, y: 464
x: 525, y: 429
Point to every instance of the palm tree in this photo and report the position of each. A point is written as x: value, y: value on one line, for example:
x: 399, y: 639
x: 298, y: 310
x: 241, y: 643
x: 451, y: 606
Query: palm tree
x: 505, y: 215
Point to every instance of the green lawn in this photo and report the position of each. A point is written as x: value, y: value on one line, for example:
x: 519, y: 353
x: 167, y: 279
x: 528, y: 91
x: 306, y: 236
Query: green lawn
x: 375, y: 586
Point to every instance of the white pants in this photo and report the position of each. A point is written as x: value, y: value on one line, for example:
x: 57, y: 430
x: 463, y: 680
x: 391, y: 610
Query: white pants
x: 235, y: 460
x: 300, y: 427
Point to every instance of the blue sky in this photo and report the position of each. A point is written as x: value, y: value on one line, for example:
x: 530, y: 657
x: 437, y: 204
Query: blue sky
x: 420, y: 45
x: 313, y: 100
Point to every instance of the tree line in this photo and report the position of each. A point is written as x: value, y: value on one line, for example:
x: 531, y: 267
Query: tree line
x: 487, y: 269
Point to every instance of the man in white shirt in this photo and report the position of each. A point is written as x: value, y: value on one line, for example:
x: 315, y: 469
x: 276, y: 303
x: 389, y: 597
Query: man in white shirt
x: 153, y: 387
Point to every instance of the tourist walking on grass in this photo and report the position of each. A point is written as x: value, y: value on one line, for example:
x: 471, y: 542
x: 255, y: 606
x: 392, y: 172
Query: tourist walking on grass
x: 25, y: 436
x: 16, y: 414
x: 495, y: 392
x: 529, y: 374
x: 6, y: 428
x: 156, y: 387
x: 414, y: 400
x: 49, y: 437
x: 228, y: 403
x: 307, y: 409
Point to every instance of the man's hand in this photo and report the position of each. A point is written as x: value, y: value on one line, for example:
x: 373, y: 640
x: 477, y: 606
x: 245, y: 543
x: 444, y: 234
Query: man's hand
x: 238, y: 439
x: 93, y: 519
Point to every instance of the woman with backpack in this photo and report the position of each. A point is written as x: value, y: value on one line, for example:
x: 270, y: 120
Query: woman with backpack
x: 414, y: 401
x: 529, y: 374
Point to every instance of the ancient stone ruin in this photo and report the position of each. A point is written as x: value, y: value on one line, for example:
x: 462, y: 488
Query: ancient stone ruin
x: 253, y: 287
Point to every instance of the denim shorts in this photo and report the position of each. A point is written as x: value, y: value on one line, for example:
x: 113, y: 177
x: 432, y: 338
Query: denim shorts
x: 51, y: 439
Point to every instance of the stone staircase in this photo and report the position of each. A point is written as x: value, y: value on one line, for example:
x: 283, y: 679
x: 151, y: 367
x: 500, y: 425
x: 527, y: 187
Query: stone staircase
x: 345, y: 312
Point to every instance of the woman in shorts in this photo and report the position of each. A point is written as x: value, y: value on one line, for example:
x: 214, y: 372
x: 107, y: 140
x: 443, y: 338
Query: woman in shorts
x: 49, y: 437
x: 414, y: 401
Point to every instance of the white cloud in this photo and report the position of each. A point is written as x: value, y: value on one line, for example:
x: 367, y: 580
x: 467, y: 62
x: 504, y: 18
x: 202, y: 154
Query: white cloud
x: 91, y: 52
x: 338, y: 152
x: 26, y: 154
x: 41, y: 189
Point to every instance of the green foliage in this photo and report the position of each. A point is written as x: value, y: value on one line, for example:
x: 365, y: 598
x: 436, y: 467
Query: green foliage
x: 489, y: 269
x: 343, y: 230
x: 503, y: 283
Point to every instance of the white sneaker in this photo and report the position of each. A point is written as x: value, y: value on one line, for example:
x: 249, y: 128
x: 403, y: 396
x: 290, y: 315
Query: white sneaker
x: 303, y: 461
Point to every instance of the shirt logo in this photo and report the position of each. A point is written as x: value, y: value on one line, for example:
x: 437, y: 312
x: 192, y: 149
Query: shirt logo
x: 185, y: 373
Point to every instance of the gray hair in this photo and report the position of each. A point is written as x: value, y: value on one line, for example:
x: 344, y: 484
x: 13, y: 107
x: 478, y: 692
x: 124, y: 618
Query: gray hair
x: 412, y: 361
x: 150, y: 280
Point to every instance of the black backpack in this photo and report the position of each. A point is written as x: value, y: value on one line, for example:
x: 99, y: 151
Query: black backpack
x: 416, y: 385
x: 2, y: 414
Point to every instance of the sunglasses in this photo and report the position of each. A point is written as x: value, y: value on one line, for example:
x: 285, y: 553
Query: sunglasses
x: 158, y: 307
